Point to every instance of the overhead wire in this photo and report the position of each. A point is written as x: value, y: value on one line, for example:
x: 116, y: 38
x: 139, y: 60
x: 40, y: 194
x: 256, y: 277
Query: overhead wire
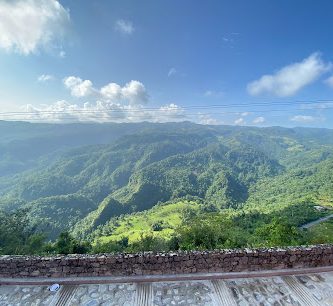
x: 163, y: 109
x: 146, y: 113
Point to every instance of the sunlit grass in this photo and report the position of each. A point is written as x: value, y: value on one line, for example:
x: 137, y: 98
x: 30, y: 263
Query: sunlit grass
x: 134, y: 226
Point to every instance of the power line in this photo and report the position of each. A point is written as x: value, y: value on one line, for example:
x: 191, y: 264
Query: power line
x: 161, y: 109
x: 77, y: 115
x: 108, y: 116
x: 143, y: 117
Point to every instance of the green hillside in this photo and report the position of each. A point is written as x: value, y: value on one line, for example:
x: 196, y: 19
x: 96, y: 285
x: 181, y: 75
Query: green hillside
x: 159, y: 221
x: 85, y: 178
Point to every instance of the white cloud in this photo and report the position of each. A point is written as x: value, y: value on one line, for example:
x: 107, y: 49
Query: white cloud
x: 258, y: 120
x: 208, y: 120
x: 102, y: 111
x: 318, y: 105
x: 303, y: 118
x: 172, y: 71
x: 124, y: 26
x: 244, y: 114
x: 28, y: 25
x: 135, y: 92
x: 240, y: 121
x: 171, y: 112
x: 290, y: 79
x: 78, y: 87
x: 329, y: 81
x: 62, y: 54
x: 45, y: 78
x: 214, y: 94
x: 112, y: 92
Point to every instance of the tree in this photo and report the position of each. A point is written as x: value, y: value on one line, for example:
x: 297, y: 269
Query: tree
x: 17, y: 236
x: 157, y: 226
x: 277, y: 233
x: 64, y: 243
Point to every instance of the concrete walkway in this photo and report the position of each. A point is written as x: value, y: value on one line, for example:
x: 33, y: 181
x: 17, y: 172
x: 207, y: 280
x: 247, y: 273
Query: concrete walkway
x: 289, y: 289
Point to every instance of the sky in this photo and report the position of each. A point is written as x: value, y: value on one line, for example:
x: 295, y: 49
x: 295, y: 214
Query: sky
x: 240, y: 62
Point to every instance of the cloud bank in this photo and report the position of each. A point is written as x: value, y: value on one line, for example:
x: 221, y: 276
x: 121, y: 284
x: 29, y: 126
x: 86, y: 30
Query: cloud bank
x: 102, y: 111
x: 303, y: 119
x: 111, y: 103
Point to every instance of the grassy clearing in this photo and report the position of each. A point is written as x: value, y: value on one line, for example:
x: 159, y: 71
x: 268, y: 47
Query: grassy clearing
x: 133, y: 226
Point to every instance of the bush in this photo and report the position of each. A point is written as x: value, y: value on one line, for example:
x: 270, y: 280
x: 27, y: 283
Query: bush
x: 157, y: 226
x: 66, y: 244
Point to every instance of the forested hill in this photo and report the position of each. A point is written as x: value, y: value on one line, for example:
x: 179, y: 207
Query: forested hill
x: 78, y: 177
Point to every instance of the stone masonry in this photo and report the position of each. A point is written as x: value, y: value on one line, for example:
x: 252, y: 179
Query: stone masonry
x: 238, y: 260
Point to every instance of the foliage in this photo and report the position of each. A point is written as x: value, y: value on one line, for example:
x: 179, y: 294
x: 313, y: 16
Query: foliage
x: 66, y: 244
x: 17, y: 236
x: 277, y: 233
x: 166, y: 217
x: 161, y: 186
x: 321, y: 233
x: 157, y: 226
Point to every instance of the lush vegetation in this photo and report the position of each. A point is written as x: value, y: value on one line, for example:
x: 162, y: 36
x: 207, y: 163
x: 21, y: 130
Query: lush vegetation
x: 132, y: 187
x: 321, y: 233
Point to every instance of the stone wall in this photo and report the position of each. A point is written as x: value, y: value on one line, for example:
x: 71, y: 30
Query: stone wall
x: 166, y: 263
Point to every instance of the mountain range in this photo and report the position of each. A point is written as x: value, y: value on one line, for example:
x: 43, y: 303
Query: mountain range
x: 79, y: 177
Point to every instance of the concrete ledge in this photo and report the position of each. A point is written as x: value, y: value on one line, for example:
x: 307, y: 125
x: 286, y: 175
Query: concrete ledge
x: 160, y: 278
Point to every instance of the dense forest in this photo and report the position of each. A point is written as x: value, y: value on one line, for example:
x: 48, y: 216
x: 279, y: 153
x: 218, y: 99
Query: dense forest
x: 80, y: 188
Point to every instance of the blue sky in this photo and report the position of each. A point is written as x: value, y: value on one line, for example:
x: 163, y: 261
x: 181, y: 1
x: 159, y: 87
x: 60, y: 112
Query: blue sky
x: 168, y: 61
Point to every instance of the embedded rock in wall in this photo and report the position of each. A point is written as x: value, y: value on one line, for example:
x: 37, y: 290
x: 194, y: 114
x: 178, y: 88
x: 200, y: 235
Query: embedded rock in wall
x: 167, y: 263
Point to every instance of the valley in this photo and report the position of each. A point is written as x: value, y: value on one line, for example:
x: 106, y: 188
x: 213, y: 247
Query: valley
x: 147, y: 186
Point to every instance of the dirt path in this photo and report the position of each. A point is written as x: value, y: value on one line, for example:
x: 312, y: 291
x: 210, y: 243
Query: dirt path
x: 310, y: 224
